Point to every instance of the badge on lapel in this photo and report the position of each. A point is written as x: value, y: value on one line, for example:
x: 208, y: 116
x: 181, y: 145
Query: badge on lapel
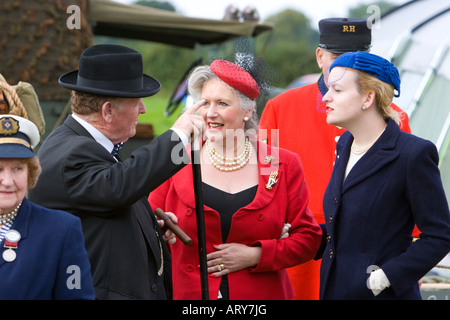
x: 12, y: 238
x: 268, y: 159
x: 272, y: 180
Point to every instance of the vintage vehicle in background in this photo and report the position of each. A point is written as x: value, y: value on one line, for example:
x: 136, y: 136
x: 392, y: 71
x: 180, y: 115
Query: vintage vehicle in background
x: 40, y: 42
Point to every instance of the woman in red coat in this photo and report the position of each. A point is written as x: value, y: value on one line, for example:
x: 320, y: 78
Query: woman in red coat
x: 253, y: 194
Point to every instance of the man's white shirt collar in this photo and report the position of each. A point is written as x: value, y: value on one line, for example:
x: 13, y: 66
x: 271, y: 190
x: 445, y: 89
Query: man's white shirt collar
x: 95, y: 133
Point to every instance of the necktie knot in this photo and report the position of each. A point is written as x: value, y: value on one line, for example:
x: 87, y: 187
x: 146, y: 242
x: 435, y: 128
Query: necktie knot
x: 117, y: 148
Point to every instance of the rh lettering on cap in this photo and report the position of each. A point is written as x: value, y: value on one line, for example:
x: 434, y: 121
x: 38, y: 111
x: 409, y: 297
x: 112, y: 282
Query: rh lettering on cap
x: 346, y: 28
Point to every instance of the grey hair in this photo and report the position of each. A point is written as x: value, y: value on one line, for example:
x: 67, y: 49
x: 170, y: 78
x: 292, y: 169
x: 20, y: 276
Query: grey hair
x: 202, y: 74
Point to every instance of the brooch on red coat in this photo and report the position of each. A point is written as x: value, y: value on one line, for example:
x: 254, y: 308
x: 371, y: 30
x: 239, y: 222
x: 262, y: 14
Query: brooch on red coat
x: 268, y: 159
x: 272, y: 180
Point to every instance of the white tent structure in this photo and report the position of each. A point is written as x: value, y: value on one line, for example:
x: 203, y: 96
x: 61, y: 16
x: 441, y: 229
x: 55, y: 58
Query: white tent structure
x: 416, y: 38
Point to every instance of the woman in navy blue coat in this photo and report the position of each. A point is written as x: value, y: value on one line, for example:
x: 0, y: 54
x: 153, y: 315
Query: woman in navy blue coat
x: 42, y: 251
x: 384, y: 182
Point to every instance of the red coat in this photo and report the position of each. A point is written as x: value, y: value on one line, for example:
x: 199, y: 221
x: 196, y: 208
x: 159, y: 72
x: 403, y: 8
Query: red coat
x: 298, y: 117
x: 259, y: 223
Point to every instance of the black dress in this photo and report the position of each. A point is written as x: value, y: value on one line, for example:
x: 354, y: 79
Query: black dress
x: 226, y: 204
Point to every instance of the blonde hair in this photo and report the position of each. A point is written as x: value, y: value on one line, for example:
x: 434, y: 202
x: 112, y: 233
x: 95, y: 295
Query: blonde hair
x: 384, y: 94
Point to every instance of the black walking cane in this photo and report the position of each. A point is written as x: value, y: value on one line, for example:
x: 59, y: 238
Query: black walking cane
x: 196, y: 172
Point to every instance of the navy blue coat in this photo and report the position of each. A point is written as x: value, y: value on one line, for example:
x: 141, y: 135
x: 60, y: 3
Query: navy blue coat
x: 51, y: 261
x: 370, y: 217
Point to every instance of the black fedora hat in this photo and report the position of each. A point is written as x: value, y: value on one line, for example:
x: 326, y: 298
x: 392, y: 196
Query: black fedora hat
x: 111, y: 70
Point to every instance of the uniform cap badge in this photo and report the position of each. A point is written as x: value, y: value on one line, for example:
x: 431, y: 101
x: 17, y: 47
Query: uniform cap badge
x: 8, y: 126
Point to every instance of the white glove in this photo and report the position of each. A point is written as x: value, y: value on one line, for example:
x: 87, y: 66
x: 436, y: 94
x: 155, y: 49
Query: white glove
x: 284, y: 231
x: 378, y: 281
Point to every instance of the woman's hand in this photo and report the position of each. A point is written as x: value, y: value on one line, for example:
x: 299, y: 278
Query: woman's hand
x: 231, y: 257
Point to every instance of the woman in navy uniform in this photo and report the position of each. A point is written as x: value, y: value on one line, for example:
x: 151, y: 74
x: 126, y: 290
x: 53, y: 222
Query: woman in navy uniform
x: 42, y: 251
x: 384, y: 181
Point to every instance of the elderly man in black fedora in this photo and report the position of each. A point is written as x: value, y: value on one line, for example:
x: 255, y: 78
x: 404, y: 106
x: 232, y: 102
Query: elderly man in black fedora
x: 82, y: 174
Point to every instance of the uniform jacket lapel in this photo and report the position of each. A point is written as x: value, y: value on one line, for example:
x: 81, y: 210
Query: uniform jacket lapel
x: 21, y: 225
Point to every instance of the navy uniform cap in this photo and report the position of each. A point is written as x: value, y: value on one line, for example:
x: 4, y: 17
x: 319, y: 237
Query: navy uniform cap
x: 340, y: 35
x: 18, y: 137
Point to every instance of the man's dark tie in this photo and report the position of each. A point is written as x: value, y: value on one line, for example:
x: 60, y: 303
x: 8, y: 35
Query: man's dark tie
x: 116, y: 149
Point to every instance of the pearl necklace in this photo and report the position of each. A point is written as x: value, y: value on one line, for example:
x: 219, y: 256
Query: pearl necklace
x: 229, y: 164
x: 5, y: 218
x: 357, y: 150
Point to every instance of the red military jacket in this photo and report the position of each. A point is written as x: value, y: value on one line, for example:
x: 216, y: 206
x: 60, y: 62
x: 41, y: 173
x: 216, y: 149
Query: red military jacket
x: 258, y: 223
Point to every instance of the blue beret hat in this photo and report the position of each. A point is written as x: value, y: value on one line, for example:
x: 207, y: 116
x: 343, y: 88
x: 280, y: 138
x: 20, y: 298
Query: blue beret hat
x: 371, y: 64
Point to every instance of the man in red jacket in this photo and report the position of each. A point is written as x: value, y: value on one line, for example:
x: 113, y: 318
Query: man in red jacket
x: 296, y: 120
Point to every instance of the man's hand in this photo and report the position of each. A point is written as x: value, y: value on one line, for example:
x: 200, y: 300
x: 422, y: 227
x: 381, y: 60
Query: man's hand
x: 192, y: 124
x: 168, y: 235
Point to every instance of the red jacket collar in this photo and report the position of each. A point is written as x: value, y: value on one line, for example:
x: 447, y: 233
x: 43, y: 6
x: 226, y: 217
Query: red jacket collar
x: 268, y: 162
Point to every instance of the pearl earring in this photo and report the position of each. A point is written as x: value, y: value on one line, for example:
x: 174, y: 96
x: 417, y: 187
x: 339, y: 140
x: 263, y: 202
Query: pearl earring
x: 364, y: 107
x: 245, y: 119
